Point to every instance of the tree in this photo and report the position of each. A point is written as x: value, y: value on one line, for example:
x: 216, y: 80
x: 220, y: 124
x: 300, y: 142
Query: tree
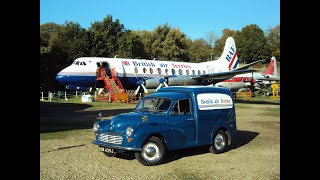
x: 200, y: 50
x: 147, y: 38
x: 46, y: 32
x: 70, y: 43
x: 175, y: 46
x: 130, y: 45
x: 211, y: 38
x: 273, y: 41
x: 104, y: 37
x: 159, y: 34
x: 251, y: 44
x: 219, y: 43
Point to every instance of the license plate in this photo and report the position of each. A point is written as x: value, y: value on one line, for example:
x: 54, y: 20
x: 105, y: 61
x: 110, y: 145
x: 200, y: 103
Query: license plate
x: 107, y: 150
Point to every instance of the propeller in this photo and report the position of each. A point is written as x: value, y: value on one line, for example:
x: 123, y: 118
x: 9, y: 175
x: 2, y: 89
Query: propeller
x: 141, y: 83
x: 163, y: 81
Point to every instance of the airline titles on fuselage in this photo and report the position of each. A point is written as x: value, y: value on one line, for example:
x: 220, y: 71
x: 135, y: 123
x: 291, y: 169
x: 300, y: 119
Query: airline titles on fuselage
x: 151, y: 64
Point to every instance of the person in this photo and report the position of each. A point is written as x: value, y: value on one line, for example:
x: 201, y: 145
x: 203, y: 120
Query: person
x: 101, y: 72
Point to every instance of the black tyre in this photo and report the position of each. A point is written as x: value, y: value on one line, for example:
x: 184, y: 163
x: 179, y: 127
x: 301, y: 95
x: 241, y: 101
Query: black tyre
x: 152, y: 153
x: 109, y: 154
x: 118, y: 155
x: 220, y: 142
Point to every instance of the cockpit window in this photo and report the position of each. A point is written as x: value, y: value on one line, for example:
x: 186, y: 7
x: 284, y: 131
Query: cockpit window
x: 81, y: 63
x: 84, y: 63
x: 77, y: 63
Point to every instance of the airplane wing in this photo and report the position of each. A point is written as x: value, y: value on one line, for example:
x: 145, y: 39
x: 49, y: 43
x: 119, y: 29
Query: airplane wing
x: 250, y: 64
x: 217, y: 77
x: 268, y: 79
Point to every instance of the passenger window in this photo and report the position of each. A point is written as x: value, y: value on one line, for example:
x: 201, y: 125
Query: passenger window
x: 159, y: 71
x: 144, y: 70
x: 180, y: 71
x: 182, y: 107
x: 166, y: 71
x: 136, y: 70
x: 173, y: 71
x: 193, y: 72
x: 151, y: 70
x: 187, y: 71
x: 204, y: 72
x: 199, y: 72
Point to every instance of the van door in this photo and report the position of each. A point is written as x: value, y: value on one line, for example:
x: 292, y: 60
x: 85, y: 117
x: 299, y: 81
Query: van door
x: 182, y: 123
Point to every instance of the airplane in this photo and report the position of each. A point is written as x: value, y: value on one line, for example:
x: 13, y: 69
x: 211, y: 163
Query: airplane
x: 151, y: 74
x: 252, y: 81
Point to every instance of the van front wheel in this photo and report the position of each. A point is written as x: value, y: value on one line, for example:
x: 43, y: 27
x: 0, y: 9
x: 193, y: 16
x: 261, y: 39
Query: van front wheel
x: 152, y: 153
x: 220, y: 142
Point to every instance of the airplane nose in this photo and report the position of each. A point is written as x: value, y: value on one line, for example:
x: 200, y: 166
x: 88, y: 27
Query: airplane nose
x: 62, y: 79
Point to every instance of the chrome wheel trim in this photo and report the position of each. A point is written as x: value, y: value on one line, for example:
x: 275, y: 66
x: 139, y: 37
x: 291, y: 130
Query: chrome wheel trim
x: 219, y: 142
x: 150, y: 152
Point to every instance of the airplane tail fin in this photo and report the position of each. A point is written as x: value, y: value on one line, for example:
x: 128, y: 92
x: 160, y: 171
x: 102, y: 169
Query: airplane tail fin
x: 272, y: 69
x: 229, y: 56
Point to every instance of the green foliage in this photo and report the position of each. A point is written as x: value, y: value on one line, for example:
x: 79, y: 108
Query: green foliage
x: 174, y: 46
x: 70, y: 42
x: 252, y: 44
x: 200, y: 50
x: 130, y: 45
x: 219, y: 43
x: 46, y: 31
x: 146, y: 38
x: 273, y: 41
x: 164, y: 43
x: 104, y: 37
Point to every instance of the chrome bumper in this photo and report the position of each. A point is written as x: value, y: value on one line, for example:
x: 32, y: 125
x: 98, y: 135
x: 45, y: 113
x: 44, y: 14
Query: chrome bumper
x: 115, y: 147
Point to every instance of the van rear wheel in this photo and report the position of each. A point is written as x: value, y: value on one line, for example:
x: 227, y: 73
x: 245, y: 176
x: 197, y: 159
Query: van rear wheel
x: 152, y: 153
x: 220, y: 142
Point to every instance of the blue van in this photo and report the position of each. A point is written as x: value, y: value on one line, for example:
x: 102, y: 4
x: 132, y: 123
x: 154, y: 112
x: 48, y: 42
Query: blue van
x: 172, y: 118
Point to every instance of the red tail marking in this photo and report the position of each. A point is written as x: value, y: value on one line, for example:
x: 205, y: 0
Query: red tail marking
x: 270, y: 69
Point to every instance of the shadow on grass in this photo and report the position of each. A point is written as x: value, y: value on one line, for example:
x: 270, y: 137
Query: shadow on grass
x: 242, y: 138
x: 70, y: 116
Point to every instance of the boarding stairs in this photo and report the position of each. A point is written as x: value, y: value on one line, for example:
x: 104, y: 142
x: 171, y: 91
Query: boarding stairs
x: 111, y: 87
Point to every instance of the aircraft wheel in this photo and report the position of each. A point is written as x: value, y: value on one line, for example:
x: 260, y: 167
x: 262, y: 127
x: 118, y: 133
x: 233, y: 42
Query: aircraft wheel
x: 152, y: 153
x: 220, y: 142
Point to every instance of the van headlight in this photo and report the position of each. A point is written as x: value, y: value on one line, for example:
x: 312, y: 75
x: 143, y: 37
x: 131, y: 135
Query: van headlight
x: 96, y: 127
x: 129, y: 131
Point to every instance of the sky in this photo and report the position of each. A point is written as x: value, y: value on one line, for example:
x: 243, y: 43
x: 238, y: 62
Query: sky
x: 195, y: 18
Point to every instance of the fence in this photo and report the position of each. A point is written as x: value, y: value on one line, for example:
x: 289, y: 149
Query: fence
x: 62, y: 95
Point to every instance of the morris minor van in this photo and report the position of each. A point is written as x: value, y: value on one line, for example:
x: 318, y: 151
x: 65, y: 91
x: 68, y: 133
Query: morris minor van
x: 172, y: 118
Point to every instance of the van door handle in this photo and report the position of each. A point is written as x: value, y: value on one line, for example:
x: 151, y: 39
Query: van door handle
x: 190, y: 119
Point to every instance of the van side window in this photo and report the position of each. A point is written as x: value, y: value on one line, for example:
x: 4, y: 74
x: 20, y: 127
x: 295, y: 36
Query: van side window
x: 182, y: 107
